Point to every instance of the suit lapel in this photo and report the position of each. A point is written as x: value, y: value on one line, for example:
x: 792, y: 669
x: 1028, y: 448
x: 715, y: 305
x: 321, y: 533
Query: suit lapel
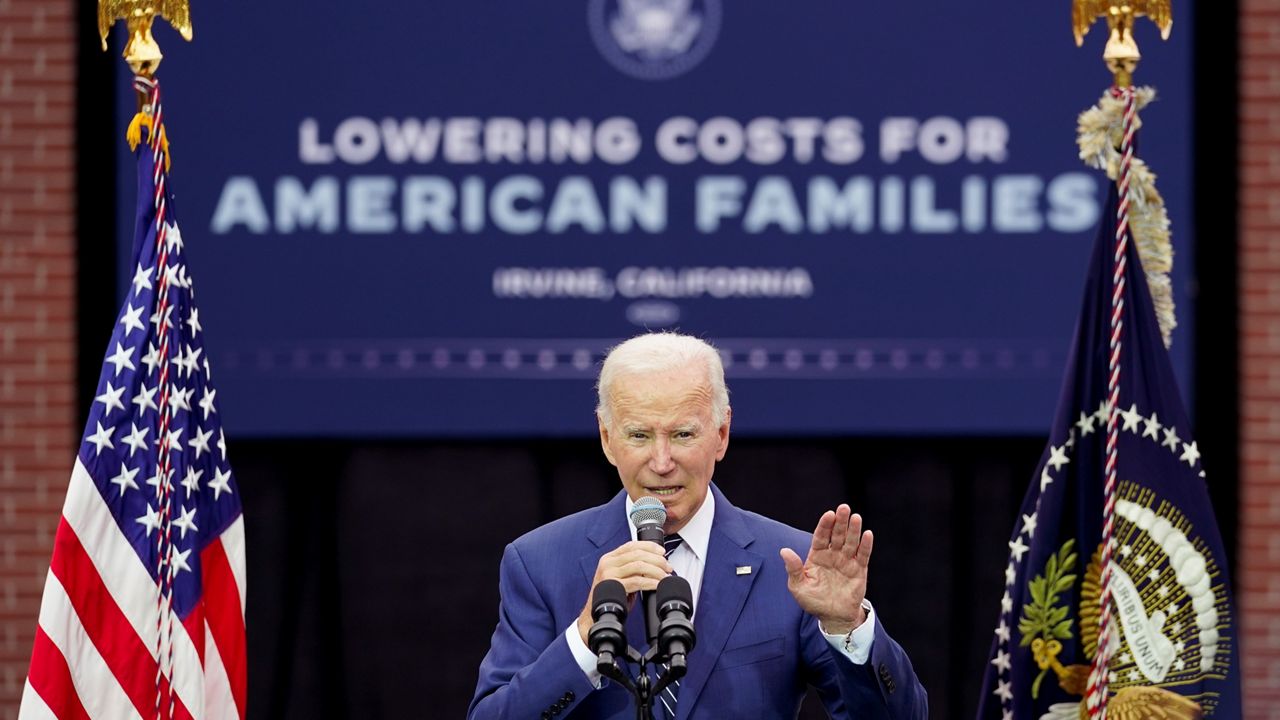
x: 608, y: 531
x: 723, y: 595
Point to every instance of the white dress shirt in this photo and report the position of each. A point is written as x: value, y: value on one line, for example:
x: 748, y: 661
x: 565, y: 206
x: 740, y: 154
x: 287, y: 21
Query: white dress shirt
x: 688, y: 560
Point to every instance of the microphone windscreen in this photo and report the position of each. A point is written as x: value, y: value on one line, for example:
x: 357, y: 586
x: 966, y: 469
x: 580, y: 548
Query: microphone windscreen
x: 648, y: 511
x: 610, y: 591
x: 674, y: 587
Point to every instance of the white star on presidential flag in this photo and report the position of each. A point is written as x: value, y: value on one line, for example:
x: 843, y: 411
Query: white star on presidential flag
x: 1152, y: 429
x: 1171, y: 438
x: 1058, y: 457
x: 1085, y: 423
x: 111, y: 398
x: 1010, y: 575
x: 1029, y: 525
x: 221, y: 481
x: 132, y: 319
x: 101, y: 439
x: 122, y: 359
x: 1190, y: 453
x: 1006, y: 603
x: 1131, y: 418
x: 1001, y: 660
x: 142, y: 279
x: 1003, y: 689
x: 186, y: 522
x: 1045, y: 480
x: 1002, y: 631
x: 1017, y: 548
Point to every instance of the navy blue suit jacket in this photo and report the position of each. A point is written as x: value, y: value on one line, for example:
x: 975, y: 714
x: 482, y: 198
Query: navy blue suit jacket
x: 756, y: 649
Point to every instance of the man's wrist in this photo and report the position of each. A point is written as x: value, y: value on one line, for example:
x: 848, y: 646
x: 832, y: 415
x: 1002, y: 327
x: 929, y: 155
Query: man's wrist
x: 843, y: 626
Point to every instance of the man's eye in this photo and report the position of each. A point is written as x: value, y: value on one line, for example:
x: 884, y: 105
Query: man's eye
x: 684, y: 435
x: 637, y: 436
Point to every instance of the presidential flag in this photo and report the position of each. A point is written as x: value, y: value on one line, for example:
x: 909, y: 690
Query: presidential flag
x: 1174, y: 633
x: 143, y: 607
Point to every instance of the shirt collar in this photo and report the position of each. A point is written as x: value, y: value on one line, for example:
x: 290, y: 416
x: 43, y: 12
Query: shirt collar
x: 697, y: 532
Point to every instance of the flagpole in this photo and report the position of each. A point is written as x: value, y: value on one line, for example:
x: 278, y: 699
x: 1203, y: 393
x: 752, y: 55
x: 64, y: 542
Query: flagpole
x: 143, y: 56
x: 1121, y: 56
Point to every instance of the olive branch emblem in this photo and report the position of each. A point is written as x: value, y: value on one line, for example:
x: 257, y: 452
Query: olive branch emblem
x: 1044, y: 623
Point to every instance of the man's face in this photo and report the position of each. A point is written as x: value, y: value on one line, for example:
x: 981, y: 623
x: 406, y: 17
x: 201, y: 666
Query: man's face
x: 663, y: 439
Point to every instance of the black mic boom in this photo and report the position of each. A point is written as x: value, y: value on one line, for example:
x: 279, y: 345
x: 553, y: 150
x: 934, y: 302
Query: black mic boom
x: 675, y: 629
x: 608, y: 638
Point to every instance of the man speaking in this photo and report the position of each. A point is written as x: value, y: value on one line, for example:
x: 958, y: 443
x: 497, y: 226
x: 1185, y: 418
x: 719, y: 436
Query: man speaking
x: 768, y: 622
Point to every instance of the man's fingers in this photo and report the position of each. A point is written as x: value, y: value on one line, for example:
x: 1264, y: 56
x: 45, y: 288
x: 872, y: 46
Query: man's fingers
x: 853, y: 534
x: 864, y: 548
x: 792, y: 561
x: 822, y: 533
x: 840, y: 531
x: 636, y: 584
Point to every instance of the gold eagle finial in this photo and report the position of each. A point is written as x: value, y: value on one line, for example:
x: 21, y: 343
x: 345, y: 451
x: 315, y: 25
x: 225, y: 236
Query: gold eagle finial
x: 1122, y: 51
x: 141, y: 52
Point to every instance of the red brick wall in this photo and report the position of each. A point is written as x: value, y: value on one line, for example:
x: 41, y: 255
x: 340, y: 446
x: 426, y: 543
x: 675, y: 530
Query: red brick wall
x: 1259, y: 564
x: 37, y: 311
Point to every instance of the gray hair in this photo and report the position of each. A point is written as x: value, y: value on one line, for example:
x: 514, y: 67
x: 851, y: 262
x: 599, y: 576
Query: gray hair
x: 660, y: 352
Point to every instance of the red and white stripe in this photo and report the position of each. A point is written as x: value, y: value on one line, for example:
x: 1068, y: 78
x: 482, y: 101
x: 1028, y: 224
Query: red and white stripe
x: 1096, y: 691
x: 94, y: 654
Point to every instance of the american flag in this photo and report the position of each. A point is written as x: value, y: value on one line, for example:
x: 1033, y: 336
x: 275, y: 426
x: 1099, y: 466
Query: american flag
x: 143, y: 607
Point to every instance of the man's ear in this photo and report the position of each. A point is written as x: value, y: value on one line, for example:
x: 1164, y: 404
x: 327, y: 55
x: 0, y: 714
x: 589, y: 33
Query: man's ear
x: 722, y: 434
x: 604, y: 440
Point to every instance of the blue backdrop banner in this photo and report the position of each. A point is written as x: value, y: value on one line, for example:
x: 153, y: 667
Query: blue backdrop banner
x: 431, y: 218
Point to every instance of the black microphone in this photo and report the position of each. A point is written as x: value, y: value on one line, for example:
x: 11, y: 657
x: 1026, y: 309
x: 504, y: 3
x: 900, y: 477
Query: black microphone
x: 675, y: 631
x: 607, y: 637
x: 648, y: 515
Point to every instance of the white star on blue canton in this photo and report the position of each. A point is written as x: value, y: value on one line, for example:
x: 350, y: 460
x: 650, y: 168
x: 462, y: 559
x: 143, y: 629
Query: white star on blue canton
x: 122, y: 358
x: 180, y: 559
x: 200, y: 443
x: 137, y: 439
x: 221, y: 481
x: 1029, y: 524
x: 1045, y: 480
x: 142, y: 279
x: 206, y: 402
x: 111, y: 398
x: 168, y: 318
x: 193, y: 354
x: 151, y: 521
x: 186, y: 522
x: 152, y: 358
x: 192, y: 481
x: 193, y: 321
x: 1004, y: 690
x: 1002, y: 631
x: 1171, y: 438
x: 145, y: 399
x: 222, y: 444
x: 125, y: 478
x: 132, y: 318
x: 101, y: 439
x: 173, y: 237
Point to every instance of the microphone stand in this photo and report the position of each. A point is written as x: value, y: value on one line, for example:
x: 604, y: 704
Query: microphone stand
x: 641, y: 688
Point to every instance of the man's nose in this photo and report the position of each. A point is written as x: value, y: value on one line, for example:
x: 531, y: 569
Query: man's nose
x: 660, y: 461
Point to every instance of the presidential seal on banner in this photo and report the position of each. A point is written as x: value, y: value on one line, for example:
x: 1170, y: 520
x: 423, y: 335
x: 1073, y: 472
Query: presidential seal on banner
x: 654, y: 39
